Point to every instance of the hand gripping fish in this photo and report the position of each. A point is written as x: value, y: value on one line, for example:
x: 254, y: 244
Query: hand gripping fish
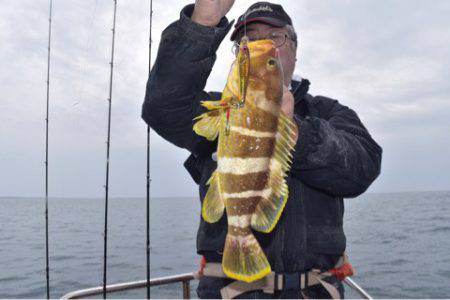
x: 254, y: 153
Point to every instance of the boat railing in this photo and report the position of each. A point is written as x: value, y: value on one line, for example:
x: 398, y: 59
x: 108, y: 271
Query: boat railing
x: 184, y: 279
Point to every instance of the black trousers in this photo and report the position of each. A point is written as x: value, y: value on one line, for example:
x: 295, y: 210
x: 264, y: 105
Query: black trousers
x: 209, y: 288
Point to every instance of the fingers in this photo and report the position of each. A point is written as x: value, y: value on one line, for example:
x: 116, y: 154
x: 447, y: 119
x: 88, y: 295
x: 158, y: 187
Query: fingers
x: 210, y: 12
x: 287, y: 102
x: 227, y: 6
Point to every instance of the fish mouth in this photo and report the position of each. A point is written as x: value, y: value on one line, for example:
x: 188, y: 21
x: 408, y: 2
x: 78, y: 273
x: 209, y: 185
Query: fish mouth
x: 261, y: 47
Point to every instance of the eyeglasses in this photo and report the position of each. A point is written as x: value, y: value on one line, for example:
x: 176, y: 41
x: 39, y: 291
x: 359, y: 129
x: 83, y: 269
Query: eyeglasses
x: 279, y: 40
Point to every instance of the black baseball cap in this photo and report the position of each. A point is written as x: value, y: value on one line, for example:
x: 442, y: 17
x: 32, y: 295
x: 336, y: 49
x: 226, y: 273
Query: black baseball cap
x: 264, y: 12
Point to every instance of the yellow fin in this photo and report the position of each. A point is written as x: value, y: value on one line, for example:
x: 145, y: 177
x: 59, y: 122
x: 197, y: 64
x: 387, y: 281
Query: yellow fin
x: 208, y: 125
x: 221, y: 104
x: 243, y: 258
x: 213, y: 205
x: 211, y: 105
x: 268, y: 211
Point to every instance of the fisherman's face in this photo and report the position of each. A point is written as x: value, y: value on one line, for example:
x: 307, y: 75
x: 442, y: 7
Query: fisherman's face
x: 287, y: 52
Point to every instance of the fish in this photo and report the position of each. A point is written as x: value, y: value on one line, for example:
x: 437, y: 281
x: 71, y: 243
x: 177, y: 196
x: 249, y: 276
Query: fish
x: 255, y: 141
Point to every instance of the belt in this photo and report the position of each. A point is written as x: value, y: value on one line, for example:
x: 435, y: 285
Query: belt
x: 280, y: 281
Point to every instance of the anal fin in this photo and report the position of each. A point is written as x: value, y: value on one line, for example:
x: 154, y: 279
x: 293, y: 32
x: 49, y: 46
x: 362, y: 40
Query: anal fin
x: 213, y: 205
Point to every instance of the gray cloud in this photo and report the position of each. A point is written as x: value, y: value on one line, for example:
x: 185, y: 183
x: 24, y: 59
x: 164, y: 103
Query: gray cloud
x: 390, y: 62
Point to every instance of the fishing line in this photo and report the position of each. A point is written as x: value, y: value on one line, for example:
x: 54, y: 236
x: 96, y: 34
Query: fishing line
x: 108, y: 143
x: 148, y: 158
x: 87, y: 49
x: 245, y: 25
x: 47, y: 268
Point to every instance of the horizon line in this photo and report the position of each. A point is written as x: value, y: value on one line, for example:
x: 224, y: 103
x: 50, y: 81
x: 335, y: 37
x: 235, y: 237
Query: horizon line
x: 192, y: 196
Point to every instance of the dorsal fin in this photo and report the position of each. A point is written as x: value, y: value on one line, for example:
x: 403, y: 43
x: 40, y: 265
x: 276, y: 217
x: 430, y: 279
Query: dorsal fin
x: 268, y: 210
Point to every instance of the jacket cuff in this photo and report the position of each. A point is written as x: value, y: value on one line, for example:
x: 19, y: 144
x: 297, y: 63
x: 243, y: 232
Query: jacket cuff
x: 308, y: 138
x: 210, y: 35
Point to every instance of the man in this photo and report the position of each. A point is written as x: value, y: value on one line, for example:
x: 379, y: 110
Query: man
x: 335, y: 157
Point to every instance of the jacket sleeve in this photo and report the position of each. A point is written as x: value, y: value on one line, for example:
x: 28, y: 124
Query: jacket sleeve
x: 175, y: 86
x: 335, y: 154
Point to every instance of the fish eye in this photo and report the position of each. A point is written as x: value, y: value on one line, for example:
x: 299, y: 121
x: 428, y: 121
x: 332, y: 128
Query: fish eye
x: 271, y: 63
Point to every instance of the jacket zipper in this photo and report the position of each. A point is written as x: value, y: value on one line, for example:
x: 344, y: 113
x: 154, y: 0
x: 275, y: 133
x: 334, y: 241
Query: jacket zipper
x: 302, y: 203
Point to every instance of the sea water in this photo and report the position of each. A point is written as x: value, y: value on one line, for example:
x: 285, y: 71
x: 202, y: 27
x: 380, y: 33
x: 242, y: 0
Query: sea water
x: 399, y: 244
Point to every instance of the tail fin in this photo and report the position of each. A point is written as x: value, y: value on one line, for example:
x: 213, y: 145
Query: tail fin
x: 243, y: 258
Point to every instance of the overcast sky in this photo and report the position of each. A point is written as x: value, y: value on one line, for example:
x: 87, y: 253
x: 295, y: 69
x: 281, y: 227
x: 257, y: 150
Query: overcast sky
x: 388, y: 60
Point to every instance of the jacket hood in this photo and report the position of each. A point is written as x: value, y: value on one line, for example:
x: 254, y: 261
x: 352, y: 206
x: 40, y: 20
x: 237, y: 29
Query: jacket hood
x: 300, y: 88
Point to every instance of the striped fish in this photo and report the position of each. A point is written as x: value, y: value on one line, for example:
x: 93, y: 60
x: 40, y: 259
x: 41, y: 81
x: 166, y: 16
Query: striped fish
x: 255, y: 143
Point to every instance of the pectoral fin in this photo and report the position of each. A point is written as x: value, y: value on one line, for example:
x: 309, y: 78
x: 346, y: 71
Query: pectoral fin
x: 213, y: 105
x: 213, y: 205
x: 208, y: 123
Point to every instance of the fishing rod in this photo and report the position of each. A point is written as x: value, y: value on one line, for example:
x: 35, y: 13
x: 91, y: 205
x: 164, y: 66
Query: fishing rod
x: 47, y: 268
x: 108, y: 143
x: 148, y: 159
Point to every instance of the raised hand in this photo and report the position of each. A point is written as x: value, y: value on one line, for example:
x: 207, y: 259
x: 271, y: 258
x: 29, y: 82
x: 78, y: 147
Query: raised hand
x: 210, y: 12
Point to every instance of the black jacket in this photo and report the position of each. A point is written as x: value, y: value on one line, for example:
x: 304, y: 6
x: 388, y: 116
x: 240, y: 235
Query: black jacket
x: 335, y: 156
